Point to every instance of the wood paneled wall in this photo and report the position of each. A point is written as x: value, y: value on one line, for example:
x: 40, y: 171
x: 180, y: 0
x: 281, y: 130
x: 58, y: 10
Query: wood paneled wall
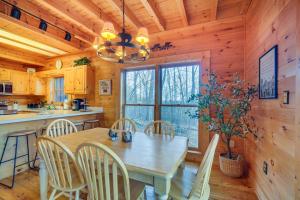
x: 223, y: 38
x: 269, y: 23
x: 22, y: 100
x: 103, y: 70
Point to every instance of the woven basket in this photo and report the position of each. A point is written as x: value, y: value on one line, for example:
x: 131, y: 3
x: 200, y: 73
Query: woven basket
x: 230, y: 167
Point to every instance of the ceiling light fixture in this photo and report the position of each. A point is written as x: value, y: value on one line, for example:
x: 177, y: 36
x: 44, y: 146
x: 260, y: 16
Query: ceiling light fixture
x: 124, y: 50
x: 15, y: 12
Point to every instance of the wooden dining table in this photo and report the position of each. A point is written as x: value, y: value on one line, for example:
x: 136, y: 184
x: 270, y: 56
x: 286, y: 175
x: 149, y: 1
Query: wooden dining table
x: 152, y: 159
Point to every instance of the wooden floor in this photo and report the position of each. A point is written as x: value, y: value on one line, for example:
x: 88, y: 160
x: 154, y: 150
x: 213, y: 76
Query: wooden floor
x: 222, y: 187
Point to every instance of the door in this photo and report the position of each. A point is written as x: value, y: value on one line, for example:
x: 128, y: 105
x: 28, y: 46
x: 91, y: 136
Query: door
x: 37, y: 85
x: 4, y: 75
x: 80, y: 80
x: 20, y: 82
x: 69, y: 81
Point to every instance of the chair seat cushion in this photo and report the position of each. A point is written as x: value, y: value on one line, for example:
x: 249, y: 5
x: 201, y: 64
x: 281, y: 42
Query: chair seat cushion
x: 21, y: 133
x: 91, y: 121
x: 182, y: 183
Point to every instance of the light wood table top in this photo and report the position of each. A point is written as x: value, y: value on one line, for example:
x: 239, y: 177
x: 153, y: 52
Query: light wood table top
x: 155, y: 155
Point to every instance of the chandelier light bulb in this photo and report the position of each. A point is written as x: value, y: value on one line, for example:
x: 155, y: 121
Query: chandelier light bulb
x: 142, y: 36
x: 108, y: 31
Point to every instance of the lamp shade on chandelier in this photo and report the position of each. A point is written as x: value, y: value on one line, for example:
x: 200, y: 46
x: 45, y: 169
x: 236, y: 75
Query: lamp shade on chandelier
x: 120, y: 47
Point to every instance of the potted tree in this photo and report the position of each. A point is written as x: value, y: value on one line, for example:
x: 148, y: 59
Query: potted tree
x: 224, y: 107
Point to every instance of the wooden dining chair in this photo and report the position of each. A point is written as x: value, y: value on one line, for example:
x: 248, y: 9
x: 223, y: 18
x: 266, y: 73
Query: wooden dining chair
x: 65, y: 175
x: 160, y: 127
x: 124, y: 124
x: 60, y: 127
x: 105, y: 174
x: 187, y: 185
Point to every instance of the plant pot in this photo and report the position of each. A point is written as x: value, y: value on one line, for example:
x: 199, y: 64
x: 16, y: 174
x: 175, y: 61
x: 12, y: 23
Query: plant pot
x: 232, y: 167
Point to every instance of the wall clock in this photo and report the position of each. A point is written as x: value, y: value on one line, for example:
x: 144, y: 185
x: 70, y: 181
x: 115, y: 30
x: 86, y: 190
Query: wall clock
x: 58, y: 64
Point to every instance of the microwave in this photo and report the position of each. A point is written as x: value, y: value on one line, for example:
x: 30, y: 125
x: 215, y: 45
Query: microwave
x: 6, y: 88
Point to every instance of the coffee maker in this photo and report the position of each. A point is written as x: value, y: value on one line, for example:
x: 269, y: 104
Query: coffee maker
x: 77, y: 104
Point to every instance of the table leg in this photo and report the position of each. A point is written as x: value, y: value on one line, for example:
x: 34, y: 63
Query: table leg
x: 43, y: 180
x: 162, y: 187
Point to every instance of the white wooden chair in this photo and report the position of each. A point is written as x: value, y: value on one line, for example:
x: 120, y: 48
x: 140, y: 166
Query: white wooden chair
x: 60, y: 127
x: 124, y: 124
x: 187, y: 185
x: 65, y: 175
x: 160, y: 127
x: 105, y: 174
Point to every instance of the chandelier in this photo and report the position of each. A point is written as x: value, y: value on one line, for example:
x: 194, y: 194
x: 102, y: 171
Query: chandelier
x: 120, y: 48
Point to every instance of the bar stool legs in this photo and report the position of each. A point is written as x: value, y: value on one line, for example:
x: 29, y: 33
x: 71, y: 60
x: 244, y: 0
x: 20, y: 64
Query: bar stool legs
x: 16, y: 135
x: 92, y: 123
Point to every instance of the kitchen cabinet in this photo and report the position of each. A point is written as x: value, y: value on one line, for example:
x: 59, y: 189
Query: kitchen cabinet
x: 20, y: 82
x: 37, y: 85
x: 5, y: 74
x: 78, y: 80
x: 68, y: 81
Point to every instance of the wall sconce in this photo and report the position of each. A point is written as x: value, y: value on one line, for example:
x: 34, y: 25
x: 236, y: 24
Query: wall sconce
x: 43, y: 25
x: 68, y: 36
x: 15, y: 12
x: 286, y: 97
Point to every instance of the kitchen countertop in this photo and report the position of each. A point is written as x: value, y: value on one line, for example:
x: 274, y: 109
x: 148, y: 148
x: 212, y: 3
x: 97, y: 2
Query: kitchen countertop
x: 34, y: 115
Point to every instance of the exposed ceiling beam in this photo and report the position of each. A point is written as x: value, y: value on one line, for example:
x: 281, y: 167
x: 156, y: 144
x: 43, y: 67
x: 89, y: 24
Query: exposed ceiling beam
x: 182, y: 12
x: 27, y: 30
x: 38, y: 47
x: 95, y: 12
x: 117, y: 5
x: 154, y: 13
x: 21, y: 57
x: 214, y: 9
x: 245, y: 6
x: 43, y: 14
x: 64, y: 11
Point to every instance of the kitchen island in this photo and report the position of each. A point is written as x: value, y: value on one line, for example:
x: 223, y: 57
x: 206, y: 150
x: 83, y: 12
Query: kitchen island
x: 33, y: 120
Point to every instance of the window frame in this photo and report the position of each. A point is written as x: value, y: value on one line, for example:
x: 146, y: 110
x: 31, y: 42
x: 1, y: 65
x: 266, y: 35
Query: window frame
x: 61, y: 90
x: 158, y: 91
x: 124, y: 77
x: 160, y: 104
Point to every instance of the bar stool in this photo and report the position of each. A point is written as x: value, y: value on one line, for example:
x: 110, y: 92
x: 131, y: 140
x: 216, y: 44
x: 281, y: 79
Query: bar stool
x: 79, y: 124
x: 92, y: 123
x: 16, y: 135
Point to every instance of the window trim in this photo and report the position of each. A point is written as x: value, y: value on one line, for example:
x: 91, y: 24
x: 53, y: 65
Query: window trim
x: 124, y: 103
x: 158, y: 91
x: 204, y: 58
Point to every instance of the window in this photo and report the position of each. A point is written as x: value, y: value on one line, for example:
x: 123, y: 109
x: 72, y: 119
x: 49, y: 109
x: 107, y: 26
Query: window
x: 139, y: 96
x: 178, y: 83
x: 59, y: 94
x: 175, y: 84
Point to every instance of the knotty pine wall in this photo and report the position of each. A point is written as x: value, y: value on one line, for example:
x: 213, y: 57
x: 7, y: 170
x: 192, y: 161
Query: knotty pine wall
x: 269, y: 23
x: 22, y: 100
x: 224, y: 39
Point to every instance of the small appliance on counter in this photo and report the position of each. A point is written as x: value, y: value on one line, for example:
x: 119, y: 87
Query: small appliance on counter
x: 15, y: 105
x: 4, y: 109
x: 77, y: 104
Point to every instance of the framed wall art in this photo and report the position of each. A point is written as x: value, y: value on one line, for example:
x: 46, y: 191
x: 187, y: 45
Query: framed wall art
x: 105, y: 87
x: 268, y: 70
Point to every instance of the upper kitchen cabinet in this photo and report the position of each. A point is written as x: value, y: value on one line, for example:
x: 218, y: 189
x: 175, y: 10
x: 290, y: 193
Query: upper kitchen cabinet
x: 20, y: 82
x: 5, y: 74
x: 37, y: 85
x: 78, y: 80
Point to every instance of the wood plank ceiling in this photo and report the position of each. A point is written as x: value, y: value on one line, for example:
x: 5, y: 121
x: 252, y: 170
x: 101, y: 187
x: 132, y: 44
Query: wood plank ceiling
x: 84, y: 18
